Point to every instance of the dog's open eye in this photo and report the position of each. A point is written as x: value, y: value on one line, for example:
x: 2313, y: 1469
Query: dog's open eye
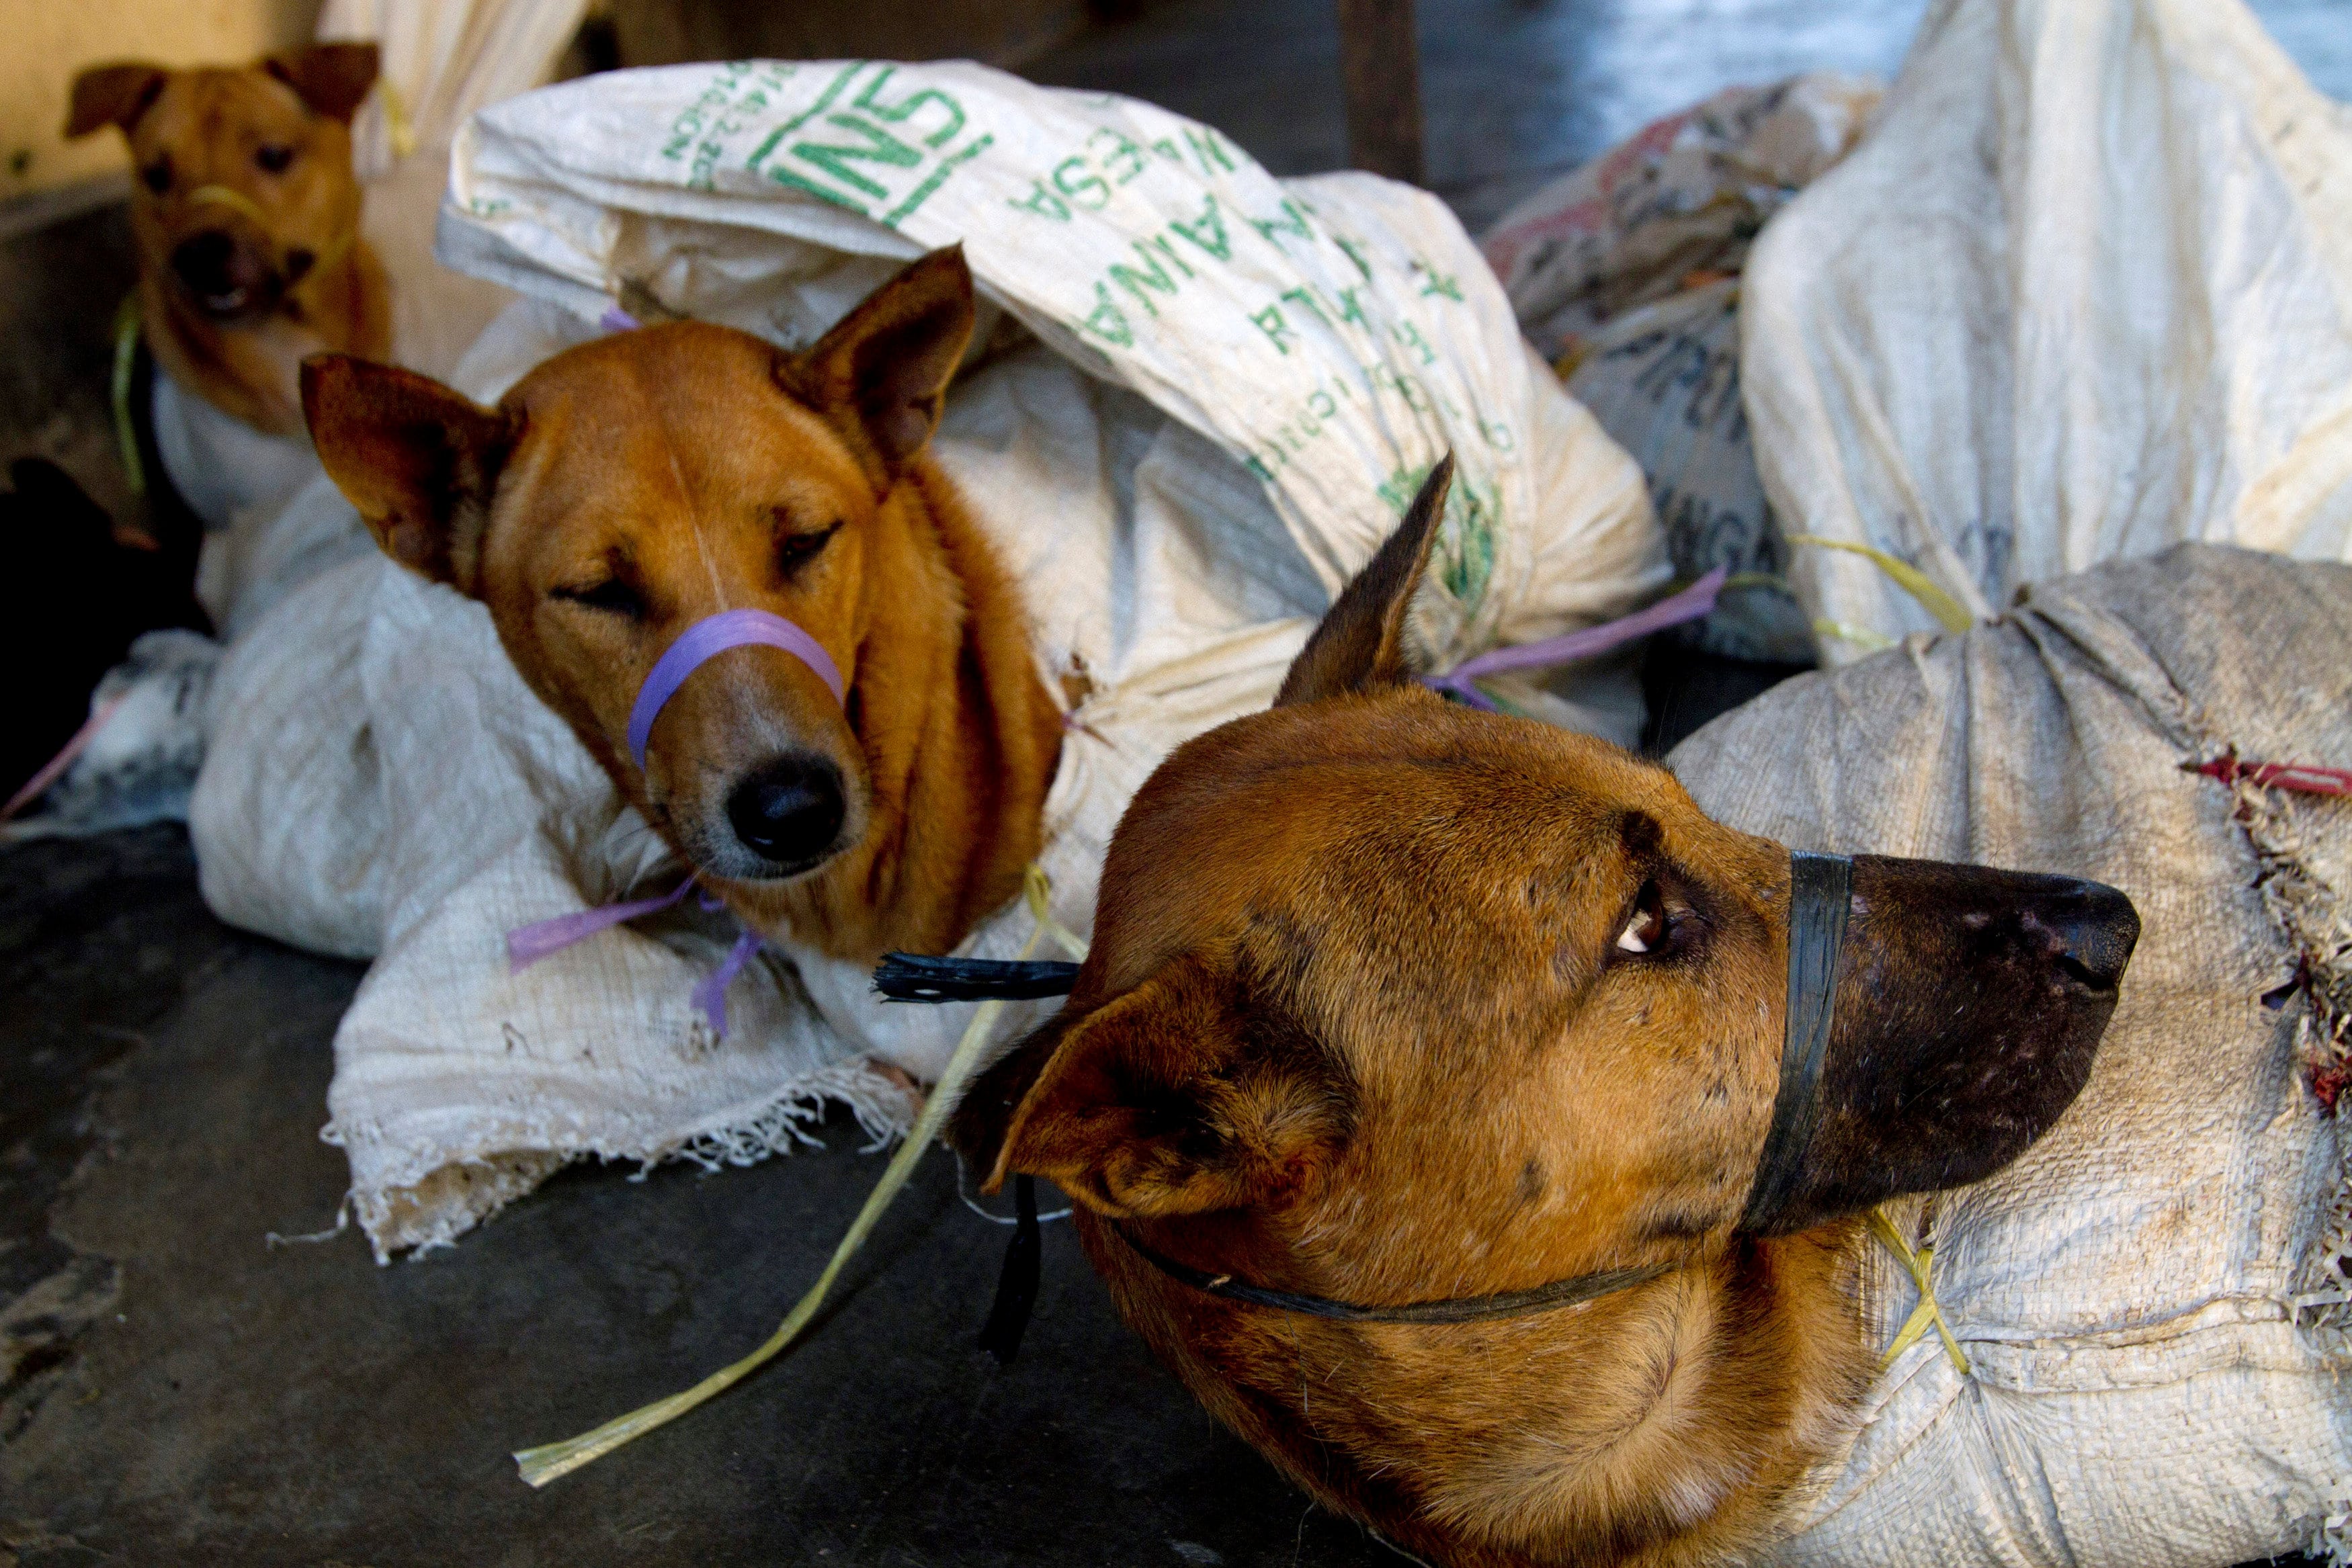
x: 612, y: 596
x: 795, y: 550
x: 158, y: 175
x: 1647, y: 929
x: 273, y: 157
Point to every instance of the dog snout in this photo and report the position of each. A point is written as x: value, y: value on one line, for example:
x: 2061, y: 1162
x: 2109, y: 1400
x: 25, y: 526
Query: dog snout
x: 788, y: 811
x: 202, y: 260
x: 2089, y: 929
x: 223, y: 276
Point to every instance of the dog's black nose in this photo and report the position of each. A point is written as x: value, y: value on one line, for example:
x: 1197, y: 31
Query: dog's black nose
x: 202, y: 260
x: 788, y: 811
x: 2091, y: 930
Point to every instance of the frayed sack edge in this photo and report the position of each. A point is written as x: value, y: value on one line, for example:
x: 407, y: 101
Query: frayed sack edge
x: 453, y: 1198
x: 2311, y: 916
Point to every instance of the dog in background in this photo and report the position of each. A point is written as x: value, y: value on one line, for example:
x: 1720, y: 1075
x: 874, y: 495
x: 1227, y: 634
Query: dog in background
x: 246, y: 213
x: 1390, y: 1001
x: 633, y: 486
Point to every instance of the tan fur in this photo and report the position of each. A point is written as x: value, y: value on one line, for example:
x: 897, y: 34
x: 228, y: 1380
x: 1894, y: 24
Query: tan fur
x: 691, y: 463
x: 1502, y: 1121
x: 206, y: 128
x: 1355, y: 1025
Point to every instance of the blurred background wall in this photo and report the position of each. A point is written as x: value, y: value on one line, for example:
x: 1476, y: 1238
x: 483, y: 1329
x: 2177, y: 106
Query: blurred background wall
x: 47, y: 41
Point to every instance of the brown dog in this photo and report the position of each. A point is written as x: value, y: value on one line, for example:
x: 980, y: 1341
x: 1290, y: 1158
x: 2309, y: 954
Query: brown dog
x: 246, y: 217
x: 1390, y: 1001
x: 629, y: 487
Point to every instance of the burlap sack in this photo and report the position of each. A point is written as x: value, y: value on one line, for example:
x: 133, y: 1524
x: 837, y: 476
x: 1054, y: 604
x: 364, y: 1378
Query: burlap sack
x: 2150, y: 1299
x: 2084, y: 291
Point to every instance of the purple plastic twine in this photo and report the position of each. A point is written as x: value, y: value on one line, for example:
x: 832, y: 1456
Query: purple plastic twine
x: 527, y: 944
x: 697, y: 645
x: 710, y: 996
x: 1692, y: 602
x: 705, y: 639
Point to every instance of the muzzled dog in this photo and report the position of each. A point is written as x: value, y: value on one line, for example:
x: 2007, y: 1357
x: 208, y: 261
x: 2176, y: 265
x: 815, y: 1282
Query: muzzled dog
x: 247, y: 214
x: 737, y: 575
x: 1480, y: 1131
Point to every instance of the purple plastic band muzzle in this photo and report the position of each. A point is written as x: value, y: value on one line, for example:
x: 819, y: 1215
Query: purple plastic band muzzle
x: 705, y: 639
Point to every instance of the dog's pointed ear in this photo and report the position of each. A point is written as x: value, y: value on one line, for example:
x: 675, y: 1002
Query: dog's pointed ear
x: 332, y: 79
x: 1360, y: 646
x: 881, y: 374
x: 418, y: 460
x: 1185, y: 1095
x: 113, y: 95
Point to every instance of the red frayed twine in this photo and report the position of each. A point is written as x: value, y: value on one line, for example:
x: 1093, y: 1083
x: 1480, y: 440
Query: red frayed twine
x: 2301, y: 777
x: 2328, y: 1080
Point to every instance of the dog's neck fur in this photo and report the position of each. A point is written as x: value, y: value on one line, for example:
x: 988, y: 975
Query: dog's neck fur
x: 251, y: 372
x: 961, y: 740
x: 1672, y: 1425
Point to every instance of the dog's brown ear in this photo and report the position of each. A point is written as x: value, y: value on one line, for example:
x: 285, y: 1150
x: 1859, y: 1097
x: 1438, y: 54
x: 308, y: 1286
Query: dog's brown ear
x: 1360, y: 646
x: 1182, y: 1096
x: 332, y: 79
x: 113, y: 95
x: 882, y: 374
x: 419, y: 461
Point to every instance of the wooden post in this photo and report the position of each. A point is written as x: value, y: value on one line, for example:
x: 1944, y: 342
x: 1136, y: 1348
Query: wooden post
x: 1379, y: 73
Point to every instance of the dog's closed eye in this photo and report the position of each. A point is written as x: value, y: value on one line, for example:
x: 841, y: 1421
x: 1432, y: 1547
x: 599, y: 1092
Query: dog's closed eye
x: 158, y: 174
x: 612, y: 596
x: 272, y: 158
x: 795, y: 550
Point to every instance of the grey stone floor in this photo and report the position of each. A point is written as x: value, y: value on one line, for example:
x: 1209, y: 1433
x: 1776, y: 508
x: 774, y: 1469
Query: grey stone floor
x: 183, y: 1393
x: 176, y: 1391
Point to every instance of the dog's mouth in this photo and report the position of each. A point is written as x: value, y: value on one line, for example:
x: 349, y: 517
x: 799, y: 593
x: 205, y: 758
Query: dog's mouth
x: 228, y: 279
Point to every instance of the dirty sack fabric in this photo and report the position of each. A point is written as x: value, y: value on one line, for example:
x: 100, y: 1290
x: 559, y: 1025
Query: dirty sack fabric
x: 2149, y: 1299
x: 1625, y: 274
x: 2084, y: 290
x: 1171, y: 571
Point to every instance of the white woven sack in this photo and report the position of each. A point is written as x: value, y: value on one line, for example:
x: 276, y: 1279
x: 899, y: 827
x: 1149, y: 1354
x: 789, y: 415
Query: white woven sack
x: 381, y: 781
x: 2150, y: 1299
x: 2084, y: 291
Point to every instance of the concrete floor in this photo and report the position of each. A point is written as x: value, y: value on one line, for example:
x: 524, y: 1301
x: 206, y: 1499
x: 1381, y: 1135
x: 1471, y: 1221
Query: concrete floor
x: 176, y: 1391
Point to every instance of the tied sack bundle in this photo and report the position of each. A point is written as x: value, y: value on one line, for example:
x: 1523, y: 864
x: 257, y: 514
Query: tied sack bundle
x: 1625, y: 273
x: 2151, y: 1300
x: 1205, y: 397
x: 2084, y: 290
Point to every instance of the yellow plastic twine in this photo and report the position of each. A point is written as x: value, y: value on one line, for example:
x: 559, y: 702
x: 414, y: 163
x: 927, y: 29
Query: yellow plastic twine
x: 1917, y: 1264
x: 542, y: 1464
x: 232, y: 198
x: 126, y: 359
x: 1949, y: 612
x: 399, y: 129
x: 1862, y: 637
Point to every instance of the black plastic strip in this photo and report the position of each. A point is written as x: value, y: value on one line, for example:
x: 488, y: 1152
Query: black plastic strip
x: 911, y: 977
x: 1820, y: 893
x: 1016, y: 1287
x: 1566, y: 1292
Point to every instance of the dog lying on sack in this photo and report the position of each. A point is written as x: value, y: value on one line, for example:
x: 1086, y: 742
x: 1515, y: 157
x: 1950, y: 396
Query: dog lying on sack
x: 245, y: 213
x: 1473, y: 1126
x: 844, y: 732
